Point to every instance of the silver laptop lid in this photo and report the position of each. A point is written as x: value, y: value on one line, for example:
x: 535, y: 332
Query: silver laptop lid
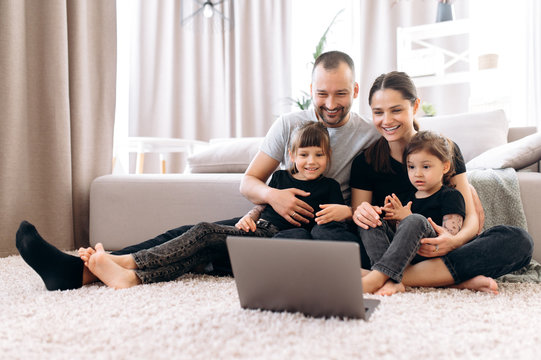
x: 317, y: 278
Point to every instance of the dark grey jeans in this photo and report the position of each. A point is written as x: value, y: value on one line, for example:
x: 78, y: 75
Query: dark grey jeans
x: 391, y: 252
x: 495, y: 252
x: 199, y: 245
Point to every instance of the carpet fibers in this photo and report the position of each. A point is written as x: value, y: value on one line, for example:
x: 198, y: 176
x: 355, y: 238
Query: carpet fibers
x: 199, y: 317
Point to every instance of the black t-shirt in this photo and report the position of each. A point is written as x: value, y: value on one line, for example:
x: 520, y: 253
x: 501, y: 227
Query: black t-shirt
x: 364, y: 177
x: 323, y: 190
x: 443, y: 202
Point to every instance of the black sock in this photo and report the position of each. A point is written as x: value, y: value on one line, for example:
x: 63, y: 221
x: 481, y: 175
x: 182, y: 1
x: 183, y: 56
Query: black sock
x: 58, y: 270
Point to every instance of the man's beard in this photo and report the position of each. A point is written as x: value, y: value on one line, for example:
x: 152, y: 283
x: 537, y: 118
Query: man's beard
x: 342, y: 114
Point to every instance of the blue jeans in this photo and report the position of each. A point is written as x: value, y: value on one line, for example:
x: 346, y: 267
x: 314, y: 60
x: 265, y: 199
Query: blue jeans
x: 199, y: 245
x: 391, y: 252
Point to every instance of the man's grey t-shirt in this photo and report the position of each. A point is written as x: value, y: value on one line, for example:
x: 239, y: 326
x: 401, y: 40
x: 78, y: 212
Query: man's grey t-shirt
x: 347, y: 142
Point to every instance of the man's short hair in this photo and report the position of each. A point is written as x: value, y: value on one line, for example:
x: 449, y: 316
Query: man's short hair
x: 331, y: 60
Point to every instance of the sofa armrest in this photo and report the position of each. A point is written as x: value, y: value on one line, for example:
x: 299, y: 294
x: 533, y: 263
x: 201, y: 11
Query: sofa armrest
x: 129, y: 209
x: 529, y: 183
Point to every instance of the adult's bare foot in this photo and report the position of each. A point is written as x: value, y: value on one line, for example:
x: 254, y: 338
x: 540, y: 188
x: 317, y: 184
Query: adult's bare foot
x: 109, y: 272
x: 390, y: 288
x: 479, y: 283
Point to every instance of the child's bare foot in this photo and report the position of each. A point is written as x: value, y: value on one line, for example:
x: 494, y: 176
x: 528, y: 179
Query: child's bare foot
x: 390, y: 288
x: 364, y: 272
x: 85, y: 254
x: 373, y: 281
x: 126, y: 261
x: 109, y: 272
x: 479, y: 283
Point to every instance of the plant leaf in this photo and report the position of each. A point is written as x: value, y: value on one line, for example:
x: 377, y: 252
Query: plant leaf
x: 321, y: 44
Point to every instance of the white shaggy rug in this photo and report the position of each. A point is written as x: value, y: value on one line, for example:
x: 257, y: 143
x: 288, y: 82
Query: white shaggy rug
x: 199, y: 317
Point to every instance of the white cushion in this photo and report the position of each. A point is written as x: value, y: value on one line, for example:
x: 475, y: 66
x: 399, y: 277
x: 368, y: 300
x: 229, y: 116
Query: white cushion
x: 225, y: 156
x: 517, y: 154
x: 474, y: 133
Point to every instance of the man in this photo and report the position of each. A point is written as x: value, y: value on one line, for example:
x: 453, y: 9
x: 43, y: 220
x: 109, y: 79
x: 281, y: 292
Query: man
x: 333, y: 89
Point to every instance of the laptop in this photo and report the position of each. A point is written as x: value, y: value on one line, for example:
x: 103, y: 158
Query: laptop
x: 313, y: 277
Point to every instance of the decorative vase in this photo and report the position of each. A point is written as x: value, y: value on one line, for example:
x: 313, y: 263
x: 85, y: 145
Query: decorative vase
x: 446, y: 12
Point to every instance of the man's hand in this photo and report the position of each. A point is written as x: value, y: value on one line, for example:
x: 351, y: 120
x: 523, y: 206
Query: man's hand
x: 291, y: 208
x: 332, y: 212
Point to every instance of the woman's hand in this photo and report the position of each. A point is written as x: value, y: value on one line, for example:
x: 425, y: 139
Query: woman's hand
x: 394, y: 210
x: 332, y: 212
x: 440, y: 245
x: 367, y: 216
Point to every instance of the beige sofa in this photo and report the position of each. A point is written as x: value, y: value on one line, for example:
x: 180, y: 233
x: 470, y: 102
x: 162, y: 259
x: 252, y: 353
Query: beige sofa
x: 128, y: 209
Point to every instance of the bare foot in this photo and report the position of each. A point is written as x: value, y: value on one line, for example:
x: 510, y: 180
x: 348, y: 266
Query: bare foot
x: 479, y: 283
x: 108, y: 271
x: 373, y: 281
x: 390, y: 288
x: 126, y: 261
x: 364, y: 272
x: 85, y: 254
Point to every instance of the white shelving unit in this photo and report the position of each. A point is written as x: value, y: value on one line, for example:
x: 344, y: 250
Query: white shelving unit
x: 430, y: 64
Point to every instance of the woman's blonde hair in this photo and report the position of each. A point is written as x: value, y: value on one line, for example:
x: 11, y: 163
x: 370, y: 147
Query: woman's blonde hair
x: 437, y: 145
x: 310, y: 134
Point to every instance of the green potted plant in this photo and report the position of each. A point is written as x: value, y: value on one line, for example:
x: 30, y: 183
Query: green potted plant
x: 304, y: 102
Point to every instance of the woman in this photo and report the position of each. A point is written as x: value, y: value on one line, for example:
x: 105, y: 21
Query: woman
x: 463, y: 260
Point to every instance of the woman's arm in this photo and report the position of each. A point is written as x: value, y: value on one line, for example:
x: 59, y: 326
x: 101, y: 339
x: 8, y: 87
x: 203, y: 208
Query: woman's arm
x: 365, y: 215
x: 471, y: 221
x: 446, y: 241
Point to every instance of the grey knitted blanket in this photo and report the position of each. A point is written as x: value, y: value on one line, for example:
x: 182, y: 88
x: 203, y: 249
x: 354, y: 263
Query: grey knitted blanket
x: 499, y: 192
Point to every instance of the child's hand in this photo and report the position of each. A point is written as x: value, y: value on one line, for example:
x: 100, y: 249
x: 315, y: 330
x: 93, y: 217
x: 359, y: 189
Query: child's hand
x: 246, y: 223
x: 394, y: 210
x: 332, y: 212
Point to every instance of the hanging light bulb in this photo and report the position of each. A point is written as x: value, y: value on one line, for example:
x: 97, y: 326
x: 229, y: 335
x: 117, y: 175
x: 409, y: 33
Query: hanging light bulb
x: 208, y: 10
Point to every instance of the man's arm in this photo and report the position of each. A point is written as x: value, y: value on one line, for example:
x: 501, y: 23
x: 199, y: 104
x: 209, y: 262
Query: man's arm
x: 252, y: 185
x: 284, y: 202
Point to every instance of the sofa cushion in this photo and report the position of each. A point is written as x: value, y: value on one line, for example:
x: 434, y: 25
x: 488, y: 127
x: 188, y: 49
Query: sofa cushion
x: 517, y: 154
x: 474, y: 133
x: 225, y: 155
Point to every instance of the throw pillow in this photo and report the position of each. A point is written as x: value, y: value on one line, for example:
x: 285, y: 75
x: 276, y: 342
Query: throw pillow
x: 474, y: 133
x: 225, y: 156
x: 517, y: 155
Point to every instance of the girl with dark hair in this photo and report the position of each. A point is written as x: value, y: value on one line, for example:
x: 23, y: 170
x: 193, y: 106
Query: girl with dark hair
x: 464, y: 259
x: 393, y: 245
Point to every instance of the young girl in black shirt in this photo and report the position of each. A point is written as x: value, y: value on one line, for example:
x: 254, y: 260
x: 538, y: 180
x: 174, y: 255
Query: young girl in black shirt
x: 394, y: 245
x: 310, y: 154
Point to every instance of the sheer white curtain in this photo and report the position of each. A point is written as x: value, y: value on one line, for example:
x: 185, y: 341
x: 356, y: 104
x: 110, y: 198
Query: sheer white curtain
x: 377, y: 23
x: 205, y: 78
x: 533, y: 91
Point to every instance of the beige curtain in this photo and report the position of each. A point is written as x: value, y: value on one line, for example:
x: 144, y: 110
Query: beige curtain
x: 57, y: 99
x: 205, y: 78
